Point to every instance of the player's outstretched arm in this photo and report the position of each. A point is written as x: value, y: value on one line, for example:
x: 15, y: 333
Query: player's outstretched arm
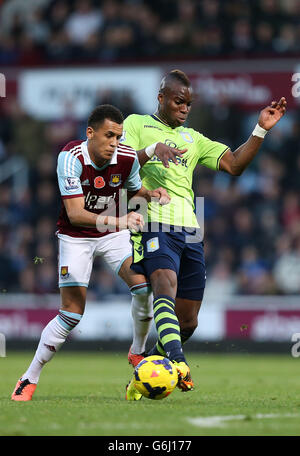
x: 162, y: 151
x: 236, y: 162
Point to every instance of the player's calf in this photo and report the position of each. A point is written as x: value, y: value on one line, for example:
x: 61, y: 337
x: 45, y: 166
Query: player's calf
x: 186, y: 334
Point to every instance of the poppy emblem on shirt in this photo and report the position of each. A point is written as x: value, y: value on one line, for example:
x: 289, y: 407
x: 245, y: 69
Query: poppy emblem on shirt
x: 99, y: 182
x: 115, y: 180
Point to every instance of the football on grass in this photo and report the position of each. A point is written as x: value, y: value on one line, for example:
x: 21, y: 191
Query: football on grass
x: 155, y: 377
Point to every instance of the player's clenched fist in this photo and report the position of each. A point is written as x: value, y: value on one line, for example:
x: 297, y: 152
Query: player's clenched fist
x: 133, y: 221
x: 161, y: 195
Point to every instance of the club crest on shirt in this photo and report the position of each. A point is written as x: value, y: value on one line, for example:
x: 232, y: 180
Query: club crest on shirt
x: 64, y: 272
x: 186, y: 136
x: 99, y: 182
x: 152, y: 244
x: 115, y: 180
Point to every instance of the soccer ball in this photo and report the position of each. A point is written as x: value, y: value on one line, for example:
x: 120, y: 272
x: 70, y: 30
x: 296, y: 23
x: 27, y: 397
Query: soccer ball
x: 155, y: 377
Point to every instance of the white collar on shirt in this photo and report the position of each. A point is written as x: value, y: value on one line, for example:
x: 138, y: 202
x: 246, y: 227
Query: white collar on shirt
x: 87, y: 158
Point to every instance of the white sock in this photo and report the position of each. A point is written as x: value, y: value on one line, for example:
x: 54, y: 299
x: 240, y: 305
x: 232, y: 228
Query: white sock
x: 52, y: 338
x: 142, y: 315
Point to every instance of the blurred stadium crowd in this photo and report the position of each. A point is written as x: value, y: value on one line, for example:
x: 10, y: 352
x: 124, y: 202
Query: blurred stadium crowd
x: 39, y: 31
x: 252, y: 223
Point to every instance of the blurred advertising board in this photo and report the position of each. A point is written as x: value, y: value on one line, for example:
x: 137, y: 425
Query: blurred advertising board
x: 253, y: 318
x: 51, y: 94
x: 106, y: 320
x: 262, y: 325
x: 249, y: 91
x: 262, y: 319
x: 24, y: 323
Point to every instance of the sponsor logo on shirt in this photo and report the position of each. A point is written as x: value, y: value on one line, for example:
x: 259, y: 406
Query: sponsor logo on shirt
x: 153, y: 126
x: 85, y: 182
x: 72, y: 184
x: 98, y: 202
x: 171, y: 143
x: 180, y: 161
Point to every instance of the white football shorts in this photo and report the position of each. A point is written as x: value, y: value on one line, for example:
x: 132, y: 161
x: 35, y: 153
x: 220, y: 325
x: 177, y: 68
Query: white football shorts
x: 76, y: 256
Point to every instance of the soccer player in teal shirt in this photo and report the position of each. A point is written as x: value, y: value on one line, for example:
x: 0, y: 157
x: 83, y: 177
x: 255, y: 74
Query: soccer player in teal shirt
x: 172, y: 256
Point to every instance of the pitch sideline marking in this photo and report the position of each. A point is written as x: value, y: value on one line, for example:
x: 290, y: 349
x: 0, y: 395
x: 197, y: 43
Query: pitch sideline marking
x: 220, y: 421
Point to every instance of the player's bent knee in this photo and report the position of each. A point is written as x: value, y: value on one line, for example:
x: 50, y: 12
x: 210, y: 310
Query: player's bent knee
x: 163, y: 281
x: 73, y: 306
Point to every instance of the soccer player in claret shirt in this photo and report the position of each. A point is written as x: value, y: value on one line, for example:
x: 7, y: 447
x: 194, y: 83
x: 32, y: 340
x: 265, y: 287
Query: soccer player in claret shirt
x: 90, y: 175
x: 172, y: 258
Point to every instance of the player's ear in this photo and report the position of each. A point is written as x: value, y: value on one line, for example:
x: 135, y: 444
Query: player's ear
x: 160, y: 98
x: 89, y: 132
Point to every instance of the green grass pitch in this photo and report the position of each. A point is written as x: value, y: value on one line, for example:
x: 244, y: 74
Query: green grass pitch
x: 83, y: 394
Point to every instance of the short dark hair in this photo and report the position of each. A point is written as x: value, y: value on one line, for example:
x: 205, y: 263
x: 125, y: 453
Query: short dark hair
x: 174, y: 75
x: 103, y: 112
